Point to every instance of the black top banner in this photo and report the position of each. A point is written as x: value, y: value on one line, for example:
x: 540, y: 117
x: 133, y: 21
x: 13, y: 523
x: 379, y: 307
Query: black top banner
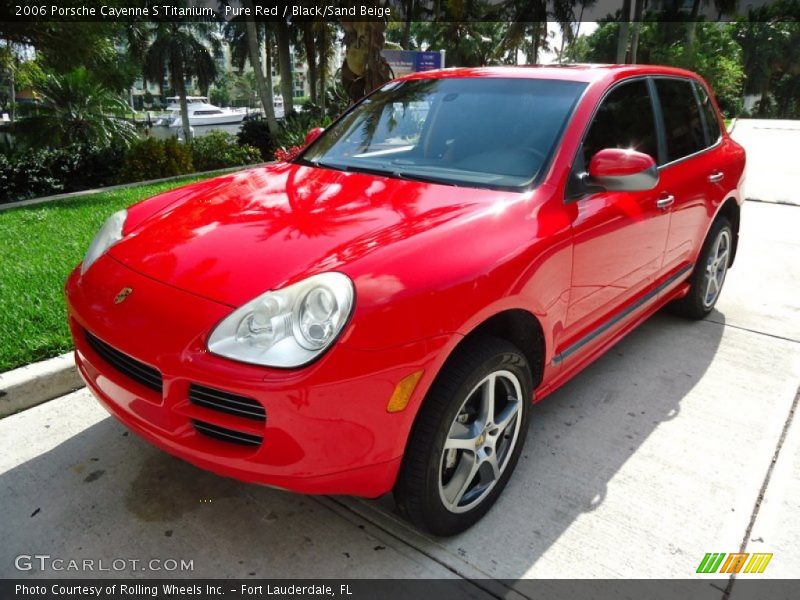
x: 397, y: 10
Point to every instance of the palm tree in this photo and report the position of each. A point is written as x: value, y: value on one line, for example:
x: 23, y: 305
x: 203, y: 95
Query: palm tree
x: 526, y: 29
x: 246, y: 38
x: 564, y: 14
x: 75, y: 109
x: 691, y: 33
x: 324, y: 39
x: 184, y: 50
x: 364, y: 68
x: 624, y: 26
x: 283, y: 37
x: 8, y: 64
x: 638, y: 9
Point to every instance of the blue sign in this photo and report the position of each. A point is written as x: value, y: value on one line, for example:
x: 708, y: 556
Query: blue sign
x: 404, y: 62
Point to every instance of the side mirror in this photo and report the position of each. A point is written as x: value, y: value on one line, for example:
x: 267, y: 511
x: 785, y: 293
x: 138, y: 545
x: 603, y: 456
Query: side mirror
x: 313, y: 134
x: 618, y: 170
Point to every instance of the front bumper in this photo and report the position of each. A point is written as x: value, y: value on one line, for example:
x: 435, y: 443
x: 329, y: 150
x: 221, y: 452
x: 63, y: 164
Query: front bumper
x: 326, y: 429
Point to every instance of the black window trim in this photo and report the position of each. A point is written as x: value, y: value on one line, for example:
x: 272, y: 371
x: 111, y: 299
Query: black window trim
x: 661, y: 136
x: 691, y: 81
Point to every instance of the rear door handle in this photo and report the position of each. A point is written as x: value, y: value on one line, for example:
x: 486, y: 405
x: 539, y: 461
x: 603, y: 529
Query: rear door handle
x: 664, y: 202
x: 716, y: 177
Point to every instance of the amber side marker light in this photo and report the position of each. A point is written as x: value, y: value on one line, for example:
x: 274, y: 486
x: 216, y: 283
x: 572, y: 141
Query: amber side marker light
x: 402, y: 392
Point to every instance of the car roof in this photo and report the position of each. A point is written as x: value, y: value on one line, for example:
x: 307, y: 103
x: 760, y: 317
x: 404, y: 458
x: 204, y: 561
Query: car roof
x: 583, y: 72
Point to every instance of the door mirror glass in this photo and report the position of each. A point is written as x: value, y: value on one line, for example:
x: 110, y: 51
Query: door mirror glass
x: 313, y: 134
x: 618, y: 170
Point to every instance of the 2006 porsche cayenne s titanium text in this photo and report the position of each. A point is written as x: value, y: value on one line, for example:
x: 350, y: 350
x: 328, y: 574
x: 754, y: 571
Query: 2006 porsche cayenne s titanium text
x: 379, y: 313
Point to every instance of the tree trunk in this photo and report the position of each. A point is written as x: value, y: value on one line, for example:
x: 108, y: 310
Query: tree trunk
x: 254, y: 51
x: 12, y: 67
x: 322, y: 54
x: 364, y: 68
x: 691, y: 33
x: 176, y: 69
x: 406, y: 39
x: 536, y: 37
x: 637, y: 26
x: 285, y: 66
x: 270, y: 89
x: 13, y: 93
x: 311, y: 58
x: 624, y: 26
x: 763, y: 104
x: 563, y: 41
x: 578, y: 25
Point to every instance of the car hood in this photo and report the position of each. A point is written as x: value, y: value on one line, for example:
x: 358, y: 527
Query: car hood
x: 232, y: 238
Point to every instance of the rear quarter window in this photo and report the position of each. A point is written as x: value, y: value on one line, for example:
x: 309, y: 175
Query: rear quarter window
x: 712, y: 121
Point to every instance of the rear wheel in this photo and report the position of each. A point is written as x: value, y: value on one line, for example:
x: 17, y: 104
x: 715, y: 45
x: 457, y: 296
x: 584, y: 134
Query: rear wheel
x: 467, y: 438
x: 709, y: 272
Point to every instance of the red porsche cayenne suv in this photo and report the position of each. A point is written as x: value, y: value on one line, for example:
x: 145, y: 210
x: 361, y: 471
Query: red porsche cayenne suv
x: 379, y: 313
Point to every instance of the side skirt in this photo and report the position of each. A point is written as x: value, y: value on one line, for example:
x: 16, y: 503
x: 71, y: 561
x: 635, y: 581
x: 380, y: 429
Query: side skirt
x: 634, y: 314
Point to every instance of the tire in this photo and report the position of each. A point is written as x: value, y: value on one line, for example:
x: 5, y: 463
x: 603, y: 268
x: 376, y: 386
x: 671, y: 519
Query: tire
x: 712, y: 263
x: 445, y: 491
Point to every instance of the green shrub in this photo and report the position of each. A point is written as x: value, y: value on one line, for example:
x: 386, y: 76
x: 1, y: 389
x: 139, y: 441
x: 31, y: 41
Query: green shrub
x: 178, y: 157
x: 30, y: 175
x: 256, y: 133
x: 142, y: 160
x: 43, y: 172
x: 150, y: 158
x: 218, y: 150
x: 99, y: 168
x: 297, y: 124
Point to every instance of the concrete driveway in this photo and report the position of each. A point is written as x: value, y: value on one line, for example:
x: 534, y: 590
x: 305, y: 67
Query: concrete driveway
x: 772, y: 173
x: 660, y: 452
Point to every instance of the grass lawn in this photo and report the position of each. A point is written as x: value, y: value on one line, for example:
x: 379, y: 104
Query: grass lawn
x: 39, y: 246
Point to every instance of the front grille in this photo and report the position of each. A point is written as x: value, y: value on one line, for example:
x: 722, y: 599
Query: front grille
x: 226, y: 435
x: 226, y: 402
x: 139, y: 372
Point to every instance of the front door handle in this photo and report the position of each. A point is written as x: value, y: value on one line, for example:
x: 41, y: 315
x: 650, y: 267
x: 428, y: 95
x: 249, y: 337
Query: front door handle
x: 716, y: 177
x: 664, y: 202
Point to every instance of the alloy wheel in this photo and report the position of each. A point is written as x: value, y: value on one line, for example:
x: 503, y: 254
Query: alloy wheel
x: 716, y: 268
x: 480, y: 441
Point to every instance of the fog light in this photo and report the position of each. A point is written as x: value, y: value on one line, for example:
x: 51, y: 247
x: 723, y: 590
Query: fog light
x: 402, y: 392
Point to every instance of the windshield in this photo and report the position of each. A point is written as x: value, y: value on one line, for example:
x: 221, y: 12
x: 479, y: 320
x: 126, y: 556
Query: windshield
x: 474, y: 132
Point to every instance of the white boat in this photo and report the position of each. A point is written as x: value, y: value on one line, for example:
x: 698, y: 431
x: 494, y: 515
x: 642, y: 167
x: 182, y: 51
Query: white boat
x: 202, y: 113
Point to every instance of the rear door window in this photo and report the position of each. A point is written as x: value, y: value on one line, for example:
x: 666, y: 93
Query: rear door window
x: 683, y: 125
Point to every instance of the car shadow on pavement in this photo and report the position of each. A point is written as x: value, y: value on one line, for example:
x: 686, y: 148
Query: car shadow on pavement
x: 578, y: 440
x: 105, y: 493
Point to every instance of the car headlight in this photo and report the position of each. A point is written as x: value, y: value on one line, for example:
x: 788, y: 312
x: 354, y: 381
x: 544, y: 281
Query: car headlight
x: 289, y: 327
x: 110, y: 233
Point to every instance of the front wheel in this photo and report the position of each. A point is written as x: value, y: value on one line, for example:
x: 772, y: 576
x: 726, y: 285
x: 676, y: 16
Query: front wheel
x: 709, y: 272
x: 467, y: 438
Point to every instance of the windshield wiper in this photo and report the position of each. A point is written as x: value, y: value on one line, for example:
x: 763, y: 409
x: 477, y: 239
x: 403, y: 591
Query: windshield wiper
x: 397, y: 174
x: 358, y: 169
